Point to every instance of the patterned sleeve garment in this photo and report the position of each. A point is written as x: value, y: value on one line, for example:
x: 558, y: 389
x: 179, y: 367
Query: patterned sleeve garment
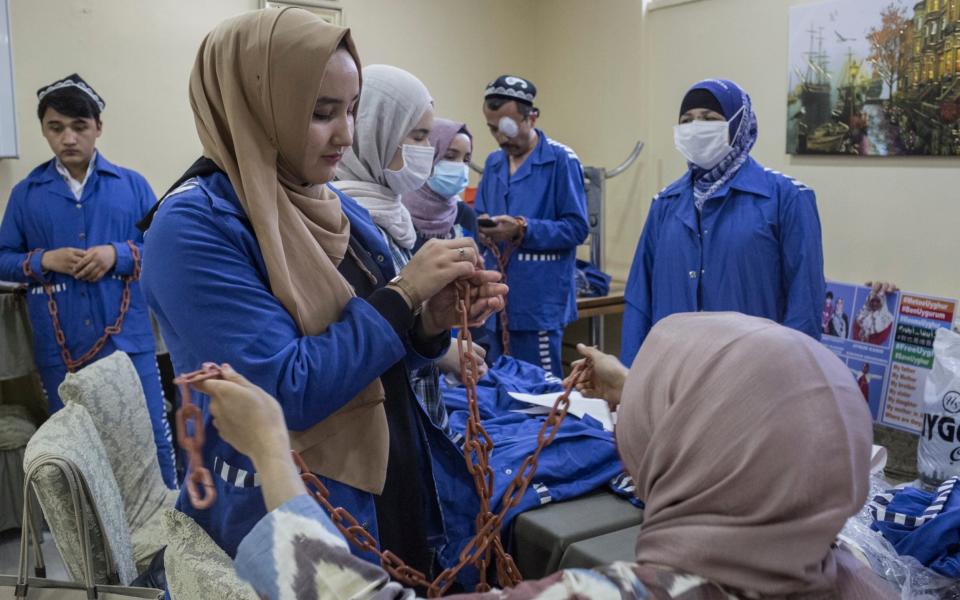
x: 297, y: 552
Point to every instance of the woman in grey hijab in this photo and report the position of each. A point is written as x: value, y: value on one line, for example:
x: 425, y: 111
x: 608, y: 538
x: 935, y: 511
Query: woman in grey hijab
x: 391, y: 156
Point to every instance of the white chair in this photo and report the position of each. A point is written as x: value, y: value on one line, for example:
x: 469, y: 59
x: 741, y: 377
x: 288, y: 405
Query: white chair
x: 70, y: 435
x: 195, y: 566
x: 110, y: 390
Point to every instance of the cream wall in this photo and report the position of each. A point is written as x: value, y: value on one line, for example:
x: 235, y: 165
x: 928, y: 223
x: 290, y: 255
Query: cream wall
x: 610, y: 74
x: 607, y: 75
x: 896, y: 219
x: 138, y: 55
x: 454, y: 46
x: 589, y: 75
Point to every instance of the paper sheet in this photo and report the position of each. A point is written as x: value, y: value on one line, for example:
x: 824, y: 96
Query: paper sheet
x: 878, y: 459
x: 579, y: 406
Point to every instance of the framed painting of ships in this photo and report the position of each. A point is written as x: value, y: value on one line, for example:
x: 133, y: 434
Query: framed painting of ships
x: 874, y: 78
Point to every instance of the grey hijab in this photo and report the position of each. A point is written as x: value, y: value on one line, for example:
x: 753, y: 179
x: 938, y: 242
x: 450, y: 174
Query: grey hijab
x: 392, y: 103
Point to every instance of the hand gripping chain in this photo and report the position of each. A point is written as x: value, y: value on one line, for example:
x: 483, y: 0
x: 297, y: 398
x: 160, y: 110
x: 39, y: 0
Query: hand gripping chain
x: 71, y: 363
x: 199, y: 482
x: 478, y: 445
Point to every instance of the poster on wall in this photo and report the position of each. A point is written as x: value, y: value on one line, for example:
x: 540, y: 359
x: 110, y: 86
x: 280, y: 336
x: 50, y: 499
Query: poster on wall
x: 874, y: 78
x: 887, y: 343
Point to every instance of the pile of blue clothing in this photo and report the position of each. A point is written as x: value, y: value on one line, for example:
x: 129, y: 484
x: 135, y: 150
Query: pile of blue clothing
x: 921, y: 524
x: 581, y: 458
x: 591, y: 281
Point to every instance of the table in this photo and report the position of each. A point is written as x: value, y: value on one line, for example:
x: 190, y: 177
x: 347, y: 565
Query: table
x: 543, y: 536
x: 610, y: 304
x: 16, y: 349
x: 602, y: 550
x: 595, y: 309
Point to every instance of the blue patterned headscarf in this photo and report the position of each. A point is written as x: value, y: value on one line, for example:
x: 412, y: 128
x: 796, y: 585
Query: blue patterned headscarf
x: 743, y: 135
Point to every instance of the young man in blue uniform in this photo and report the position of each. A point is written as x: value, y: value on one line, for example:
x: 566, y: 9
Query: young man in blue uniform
x: 69, y: 232
x: 533, y: 187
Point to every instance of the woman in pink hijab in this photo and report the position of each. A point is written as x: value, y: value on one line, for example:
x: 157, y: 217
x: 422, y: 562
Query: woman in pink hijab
x: 750, y: 444
x: 748, y: 441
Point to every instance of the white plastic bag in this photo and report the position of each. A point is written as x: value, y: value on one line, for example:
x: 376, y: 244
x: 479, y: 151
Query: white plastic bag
x: 938, y: 452
x: 913, y: 580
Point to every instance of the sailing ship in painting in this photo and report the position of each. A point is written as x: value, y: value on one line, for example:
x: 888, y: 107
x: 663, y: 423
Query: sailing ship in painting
x: 875, y: 78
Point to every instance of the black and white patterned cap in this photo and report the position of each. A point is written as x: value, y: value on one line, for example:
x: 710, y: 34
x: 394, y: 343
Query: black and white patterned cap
x: 512, y: 88
x: 72, y: 81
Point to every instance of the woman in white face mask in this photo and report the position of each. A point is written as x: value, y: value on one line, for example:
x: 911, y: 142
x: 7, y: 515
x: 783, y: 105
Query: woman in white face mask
x: 392, y: 156
x: 436, y: 208
x: 729, y: 235
x: 391, y: 153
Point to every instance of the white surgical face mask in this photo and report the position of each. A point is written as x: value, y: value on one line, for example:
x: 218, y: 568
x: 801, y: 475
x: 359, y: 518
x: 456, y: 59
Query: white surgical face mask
x: 417, y: 165
x: 704, y: 143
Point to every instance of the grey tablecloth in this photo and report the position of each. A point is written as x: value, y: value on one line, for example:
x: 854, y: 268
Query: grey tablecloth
x: 602, y: 550
x: 542, y: 536
x: 16, y: 346
x: 16, y: 428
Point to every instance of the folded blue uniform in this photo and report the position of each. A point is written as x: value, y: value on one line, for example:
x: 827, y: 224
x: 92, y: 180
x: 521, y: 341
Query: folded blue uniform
x: 924, y: 525
x: 591, y: 281
x: 581, y: 458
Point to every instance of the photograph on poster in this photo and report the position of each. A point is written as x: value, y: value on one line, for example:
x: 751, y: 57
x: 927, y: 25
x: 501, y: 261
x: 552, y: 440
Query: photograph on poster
x: 872, y: 318
x: 836, y: 310
x: 869, y: 377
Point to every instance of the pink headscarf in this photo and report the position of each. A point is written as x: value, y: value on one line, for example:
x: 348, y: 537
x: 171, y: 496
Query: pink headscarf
x: 433, y: 215
x: 750, y: 444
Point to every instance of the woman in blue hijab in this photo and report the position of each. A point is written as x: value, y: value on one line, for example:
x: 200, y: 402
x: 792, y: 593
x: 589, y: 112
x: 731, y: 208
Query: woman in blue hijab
x: 729, y: 235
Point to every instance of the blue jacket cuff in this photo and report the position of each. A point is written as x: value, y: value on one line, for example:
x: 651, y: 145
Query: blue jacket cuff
x: 36, y: 264
x: 124, y: 264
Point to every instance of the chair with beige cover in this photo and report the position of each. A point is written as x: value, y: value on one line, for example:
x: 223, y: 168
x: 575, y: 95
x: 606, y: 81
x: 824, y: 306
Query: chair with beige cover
x: 78, y: 493
x: 70, y: 435
x: 110, y: 390
x: 195, y: 566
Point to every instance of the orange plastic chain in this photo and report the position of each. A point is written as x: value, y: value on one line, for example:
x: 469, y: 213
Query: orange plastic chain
x: 71, y: 363
x: 503, y: 261
x: 478, y: 446
x: 199, y: 482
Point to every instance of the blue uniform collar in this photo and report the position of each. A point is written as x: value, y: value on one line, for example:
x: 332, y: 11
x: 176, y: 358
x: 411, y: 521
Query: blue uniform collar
x: 217, y: 186
x: 48, y: 171
x: 540, y: 155
x: 750, y: 179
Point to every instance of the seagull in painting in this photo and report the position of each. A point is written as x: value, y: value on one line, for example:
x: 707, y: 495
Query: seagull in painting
x: 842, y: 39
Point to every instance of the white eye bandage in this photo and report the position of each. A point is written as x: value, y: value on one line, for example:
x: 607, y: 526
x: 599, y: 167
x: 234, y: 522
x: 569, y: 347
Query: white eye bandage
x: 508, y: 127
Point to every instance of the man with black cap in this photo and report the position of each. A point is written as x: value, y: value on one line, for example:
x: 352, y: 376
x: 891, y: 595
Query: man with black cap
x: 69, y: 232
x: 533, y: 187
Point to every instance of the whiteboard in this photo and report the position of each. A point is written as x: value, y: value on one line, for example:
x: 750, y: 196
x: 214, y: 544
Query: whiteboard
x: 8, y: 112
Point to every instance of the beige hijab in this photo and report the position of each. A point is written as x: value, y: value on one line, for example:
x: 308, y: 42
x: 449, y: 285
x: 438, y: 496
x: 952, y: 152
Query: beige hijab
x: 750, y: 444
x: 253, y: 90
